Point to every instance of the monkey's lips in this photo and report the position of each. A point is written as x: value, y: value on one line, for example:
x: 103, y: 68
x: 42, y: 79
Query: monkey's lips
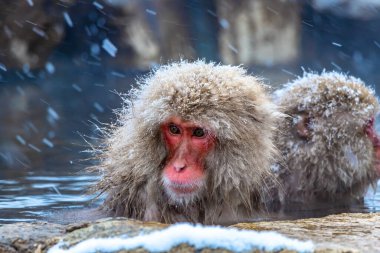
x: 183, y: 188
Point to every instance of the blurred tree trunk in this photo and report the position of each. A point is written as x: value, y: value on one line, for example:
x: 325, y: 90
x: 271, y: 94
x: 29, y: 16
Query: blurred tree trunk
x: 174, y: 30
x: 263, y: 32
x: 29, y: 32
x: 153, y: 32
x: 137, y: 36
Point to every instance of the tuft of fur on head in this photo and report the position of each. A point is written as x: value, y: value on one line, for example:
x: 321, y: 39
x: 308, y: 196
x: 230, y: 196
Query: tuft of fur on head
x: 337, y: 161
x: 233, y: 104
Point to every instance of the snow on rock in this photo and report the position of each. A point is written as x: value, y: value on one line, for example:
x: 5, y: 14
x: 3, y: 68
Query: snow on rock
x: 195, y: 235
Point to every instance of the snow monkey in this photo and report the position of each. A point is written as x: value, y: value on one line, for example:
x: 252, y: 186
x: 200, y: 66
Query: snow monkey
x: 330, y: 148
x: 194, y: 142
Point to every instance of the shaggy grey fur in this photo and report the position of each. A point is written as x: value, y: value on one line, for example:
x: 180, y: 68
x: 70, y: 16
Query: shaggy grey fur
x: 226, y: 99
x: 336, y: 163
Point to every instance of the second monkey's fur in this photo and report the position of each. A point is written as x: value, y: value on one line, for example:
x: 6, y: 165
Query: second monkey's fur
x: 336, y: 160
x: 233, y: 104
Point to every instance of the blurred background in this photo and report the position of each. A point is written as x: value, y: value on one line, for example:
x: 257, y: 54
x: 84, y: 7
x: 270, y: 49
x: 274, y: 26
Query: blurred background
x: 62, y: 63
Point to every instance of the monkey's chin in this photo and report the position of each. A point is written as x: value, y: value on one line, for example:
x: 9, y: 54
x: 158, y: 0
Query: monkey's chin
x: 182, y: 194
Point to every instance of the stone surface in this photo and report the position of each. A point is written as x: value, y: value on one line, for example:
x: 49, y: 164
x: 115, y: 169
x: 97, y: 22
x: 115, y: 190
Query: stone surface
x: 110, y: 227
x: 351, y: 230
x: 29, y: 237
x: 335, y: 233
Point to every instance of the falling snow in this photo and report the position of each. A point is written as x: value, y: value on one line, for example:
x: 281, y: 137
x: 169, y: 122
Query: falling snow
x: 52, y: 116
x: 20, y: 139
x: 337, y: 44
x: 34, y: 148
x: 30, y: 2
x: 151, y: 12
x: 95, y: 49
x: 289, y: 72
x: 47, y: 143
x: 233, y: 49
x: 39, y: 32
x: 117, y: 74
x: 76, y: 87
x: 336, y: 66
x: 98, y: 5
x: 109, y: 47
x: 68, y: 19
x: 98, y: 107
x: 50, y: 67
x: 33, y: 84
x: 2, y: 67
x: 224, y: 23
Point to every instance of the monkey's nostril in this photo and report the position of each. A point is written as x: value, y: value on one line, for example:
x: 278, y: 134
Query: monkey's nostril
x: 179, y: 167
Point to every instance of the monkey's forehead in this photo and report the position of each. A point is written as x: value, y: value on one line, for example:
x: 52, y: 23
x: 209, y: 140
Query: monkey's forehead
x: 224, y: 98
x: 328, y: 92
x: 204, y: 87
x: 201, y: 77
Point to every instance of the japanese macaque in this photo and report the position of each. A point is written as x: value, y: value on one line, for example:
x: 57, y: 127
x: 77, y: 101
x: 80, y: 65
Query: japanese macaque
x: 330, y: 149
x: 194, y: 142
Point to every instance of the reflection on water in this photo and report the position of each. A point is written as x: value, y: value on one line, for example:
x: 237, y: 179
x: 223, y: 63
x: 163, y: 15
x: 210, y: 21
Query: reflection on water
x: 370, y: 204
x: 372, y: 200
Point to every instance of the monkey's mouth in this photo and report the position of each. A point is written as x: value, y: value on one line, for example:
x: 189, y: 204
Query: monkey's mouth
x: 183, y: 188
x: 179, y: 191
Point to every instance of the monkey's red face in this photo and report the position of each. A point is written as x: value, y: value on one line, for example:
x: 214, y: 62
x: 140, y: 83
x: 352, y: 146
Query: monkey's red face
x: 303, y: 130
x: 187, y: 144
x: 371, y: 133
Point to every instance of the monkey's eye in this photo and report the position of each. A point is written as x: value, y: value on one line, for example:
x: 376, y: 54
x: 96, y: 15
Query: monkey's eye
x: 199, y: 132
x: 174, y: 129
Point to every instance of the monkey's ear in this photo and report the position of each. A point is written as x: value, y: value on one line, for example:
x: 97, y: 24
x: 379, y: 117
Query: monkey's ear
x: 302, y: 124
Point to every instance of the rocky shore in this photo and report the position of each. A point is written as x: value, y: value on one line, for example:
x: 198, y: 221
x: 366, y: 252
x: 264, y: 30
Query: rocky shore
x: 354, y: 232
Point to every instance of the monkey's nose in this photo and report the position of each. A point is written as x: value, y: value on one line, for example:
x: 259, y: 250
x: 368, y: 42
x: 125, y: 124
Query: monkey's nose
x: 178, y: 167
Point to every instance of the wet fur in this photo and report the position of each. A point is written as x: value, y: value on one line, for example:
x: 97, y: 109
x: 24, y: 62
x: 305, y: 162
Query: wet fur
x: 337, y: 162
x: 226, y: 99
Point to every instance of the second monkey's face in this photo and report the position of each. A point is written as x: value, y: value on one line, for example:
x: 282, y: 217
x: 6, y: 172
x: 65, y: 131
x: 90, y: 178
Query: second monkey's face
x: 188, y: 144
